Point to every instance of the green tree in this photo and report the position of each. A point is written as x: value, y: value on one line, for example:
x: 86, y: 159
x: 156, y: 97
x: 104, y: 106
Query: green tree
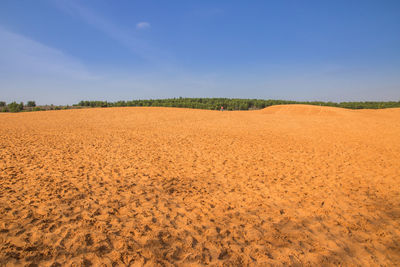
x: 14, y: 107
x: 31, y: 104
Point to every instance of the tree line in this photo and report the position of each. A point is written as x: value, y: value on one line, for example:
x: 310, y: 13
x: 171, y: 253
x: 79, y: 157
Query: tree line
x: 29, y: 106
x: 16, y: 107
x: 196, y: 103
x: 232, y: 103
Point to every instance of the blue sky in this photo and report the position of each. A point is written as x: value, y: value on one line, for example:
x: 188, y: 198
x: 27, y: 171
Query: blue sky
x: 62, y: 52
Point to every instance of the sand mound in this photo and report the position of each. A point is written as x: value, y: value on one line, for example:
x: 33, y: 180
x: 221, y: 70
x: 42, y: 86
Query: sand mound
x: 166, y: 186
x: 298, y: 109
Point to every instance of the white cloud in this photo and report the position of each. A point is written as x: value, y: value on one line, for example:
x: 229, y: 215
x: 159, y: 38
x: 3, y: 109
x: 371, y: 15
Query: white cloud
x: 142, y: 25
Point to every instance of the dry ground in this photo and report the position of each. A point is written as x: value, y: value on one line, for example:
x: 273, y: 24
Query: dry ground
x: 159, y: 186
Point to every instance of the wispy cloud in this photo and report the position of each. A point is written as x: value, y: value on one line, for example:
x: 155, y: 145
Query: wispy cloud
x: 30, y: 70
x: 142, y: 25
x: 22, y: 54
x: 122, y: 35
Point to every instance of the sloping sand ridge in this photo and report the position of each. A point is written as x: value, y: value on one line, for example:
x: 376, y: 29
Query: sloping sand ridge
x: 285, y: 185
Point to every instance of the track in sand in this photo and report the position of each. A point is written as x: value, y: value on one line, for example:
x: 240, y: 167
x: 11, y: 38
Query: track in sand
x: 289, y: 184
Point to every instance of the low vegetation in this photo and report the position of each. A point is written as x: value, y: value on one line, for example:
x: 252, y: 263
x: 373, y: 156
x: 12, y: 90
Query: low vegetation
x: 231, y: 103
x: 29, y: 106
x: 197, y: 103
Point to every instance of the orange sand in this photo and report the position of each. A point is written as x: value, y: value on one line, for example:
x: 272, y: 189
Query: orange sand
x: 290, y: 184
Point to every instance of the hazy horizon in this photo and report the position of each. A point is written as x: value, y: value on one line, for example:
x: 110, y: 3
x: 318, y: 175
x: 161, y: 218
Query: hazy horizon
x: 62, y: 52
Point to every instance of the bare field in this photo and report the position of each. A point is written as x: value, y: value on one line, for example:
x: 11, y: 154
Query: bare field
x: 286, y: 185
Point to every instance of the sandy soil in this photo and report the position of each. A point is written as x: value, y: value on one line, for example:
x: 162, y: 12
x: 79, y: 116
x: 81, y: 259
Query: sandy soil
x: 285, y: 185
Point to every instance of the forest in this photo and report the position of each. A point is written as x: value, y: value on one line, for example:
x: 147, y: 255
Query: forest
x: 196, y: 103
x: 231, y: 103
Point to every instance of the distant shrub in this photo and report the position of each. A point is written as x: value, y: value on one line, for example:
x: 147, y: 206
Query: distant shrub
x: 36, y: 109
x: 31, y: 104
x: 2, y: 104
x: 14, y: 107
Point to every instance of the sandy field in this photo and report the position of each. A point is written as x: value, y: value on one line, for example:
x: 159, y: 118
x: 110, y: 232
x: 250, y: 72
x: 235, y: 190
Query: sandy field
x: 287, y: 185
